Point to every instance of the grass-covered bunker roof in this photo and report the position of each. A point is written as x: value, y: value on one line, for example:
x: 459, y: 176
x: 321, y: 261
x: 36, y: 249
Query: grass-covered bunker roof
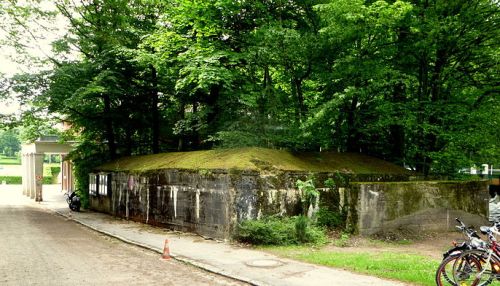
x: 255, y: 159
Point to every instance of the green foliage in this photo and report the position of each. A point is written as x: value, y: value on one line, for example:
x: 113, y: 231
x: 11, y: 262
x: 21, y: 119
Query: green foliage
x: 343, y: 240
x: 17, y: 180
x: 279, y: 231
x: 11, y: 180
x: 415, y: 83
x: 85, y: 159
x: 55, y: 170
x: 308, y: 193
x: 52, y: 172
x: 9, y: 142
x: 333, y: 215
x: 48, y: 180
x: 330, y: 219
x: 301, y: 225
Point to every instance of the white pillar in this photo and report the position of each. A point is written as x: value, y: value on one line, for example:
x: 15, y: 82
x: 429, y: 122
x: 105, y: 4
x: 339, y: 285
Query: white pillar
x: 31, y: 175
x: 64, y: 185
x: 23, y: 173
x: 38, y: 160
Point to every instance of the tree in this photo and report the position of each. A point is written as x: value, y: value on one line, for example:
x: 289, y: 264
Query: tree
x: 413, y: 82
x: 413, y: 75
x: 9, y: 142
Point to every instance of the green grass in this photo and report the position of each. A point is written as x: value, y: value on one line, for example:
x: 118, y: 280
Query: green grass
x: 9, y: 160
x: 410, y: 268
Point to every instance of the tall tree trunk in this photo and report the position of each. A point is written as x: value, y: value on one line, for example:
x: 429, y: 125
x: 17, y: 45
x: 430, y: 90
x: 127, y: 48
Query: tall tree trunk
x: 128, y: 140
x: 155, y: 112
x: 195, y: 135
x: 421, y: 162
x: 110, y: 134
x: 293, y: 88
x: 182, y: 116
x: 431, y: 139
x: 300, y: 98
x: 397, y: 131
x: 213, y: 99
x: 266, y: 88
x: 352, y: 135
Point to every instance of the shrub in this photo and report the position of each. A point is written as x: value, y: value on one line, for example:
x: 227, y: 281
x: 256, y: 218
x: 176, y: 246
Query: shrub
x: 329, y: 219
x: 55, y: 170
x: 47, y: 180
x: 301, y: 228
x: 17, y: 180
x: 275, y: 230
x: 343, y: 240
x: 11, y: 180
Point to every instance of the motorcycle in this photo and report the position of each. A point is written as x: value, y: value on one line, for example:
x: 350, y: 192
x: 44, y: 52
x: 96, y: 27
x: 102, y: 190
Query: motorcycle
x: 73, y: 201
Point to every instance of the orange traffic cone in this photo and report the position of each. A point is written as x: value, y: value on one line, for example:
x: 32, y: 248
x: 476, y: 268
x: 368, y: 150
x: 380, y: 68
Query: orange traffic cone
x: 166, y: 250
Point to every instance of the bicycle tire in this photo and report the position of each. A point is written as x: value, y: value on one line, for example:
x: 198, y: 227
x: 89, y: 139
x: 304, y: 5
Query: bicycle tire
x: 444, y: 272
x: 471, y: 268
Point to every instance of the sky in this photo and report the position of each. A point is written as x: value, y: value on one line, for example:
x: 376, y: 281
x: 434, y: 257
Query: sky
x: 8, y: 67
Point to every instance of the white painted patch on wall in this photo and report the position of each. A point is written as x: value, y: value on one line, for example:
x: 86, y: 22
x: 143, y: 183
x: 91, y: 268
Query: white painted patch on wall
x: 197, y: 204
x: 140, y: 193
x: 250, y: 208
x: 341, y: 194
x: 120, y: 196
x: 158, y: 190
x: 126, y: 205
x: 173, y: 196
x: 271, y: 195
x: 147, y: 205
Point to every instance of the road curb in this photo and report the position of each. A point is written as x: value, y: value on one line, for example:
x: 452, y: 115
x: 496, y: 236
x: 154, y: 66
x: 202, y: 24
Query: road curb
x: 183, y: 259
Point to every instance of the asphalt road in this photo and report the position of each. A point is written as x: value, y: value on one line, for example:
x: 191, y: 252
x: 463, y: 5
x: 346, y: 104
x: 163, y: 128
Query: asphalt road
x: 38, y: 247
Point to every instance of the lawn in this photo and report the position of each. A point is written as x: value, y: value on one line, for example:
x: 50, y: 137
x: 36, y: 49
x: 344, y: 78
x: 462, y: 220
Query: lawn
x: 405, y: 267
x: 9, y: 160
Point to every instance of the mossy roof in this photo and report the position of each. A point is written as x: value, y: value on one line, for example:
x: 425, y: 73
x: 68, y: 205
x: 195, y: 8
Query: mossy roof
x: 256, y: 159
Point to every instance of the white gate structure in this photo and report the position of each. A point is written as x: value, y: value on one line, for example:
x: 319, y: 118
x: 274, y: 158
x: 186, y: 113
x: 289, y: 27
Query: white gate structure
x: 32, y: 165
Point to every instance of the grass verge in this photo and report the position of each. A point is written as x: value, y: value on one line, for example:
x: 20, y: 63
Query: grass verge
x: 9, y: 160
x: 411, y: 268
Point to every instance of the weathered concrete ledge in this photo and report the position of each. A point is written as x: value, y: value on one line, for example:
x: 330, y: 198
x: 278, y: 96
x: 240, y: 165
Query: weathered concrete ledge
x: 420, y: 206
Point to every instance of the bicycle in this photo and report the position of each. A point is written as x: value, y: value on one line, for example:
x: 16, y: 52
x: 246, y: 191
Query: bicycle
x: 444, y: 272
x: 481, y: 266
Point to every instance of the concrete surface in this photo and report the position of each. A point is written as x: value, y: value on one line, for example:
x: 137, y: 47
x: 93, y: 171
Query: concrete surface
x: 39, y: 247
x: 251, y: 266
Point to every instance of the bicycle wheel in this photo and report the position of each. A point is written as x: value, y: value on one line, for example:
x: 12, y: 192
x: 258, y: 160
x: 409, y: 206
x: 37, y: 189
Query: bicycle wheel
x: 472, y: 268
x: 444, y: 273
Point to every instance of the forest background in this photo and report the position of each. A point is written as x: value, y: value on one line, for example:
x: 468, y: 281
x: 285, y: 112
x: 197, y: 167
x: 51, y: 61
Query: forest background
x: 412, y: 82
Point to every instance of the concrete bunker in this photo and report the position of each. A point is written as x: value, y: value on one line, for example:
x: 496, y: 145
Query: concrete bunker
x: 209, y: 192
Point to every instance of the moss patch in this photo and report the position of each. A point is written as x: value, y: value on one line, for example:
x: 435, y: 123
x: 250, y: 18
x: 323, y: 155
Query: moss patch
x: 256, y: 159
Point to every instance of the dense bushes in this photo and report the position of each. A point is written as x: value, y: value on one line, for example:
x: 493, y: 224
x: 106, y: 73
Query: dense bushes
x: 276, y: 230
x: 51, y: 173
x: 11, y: 180
x: 330, y: 219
